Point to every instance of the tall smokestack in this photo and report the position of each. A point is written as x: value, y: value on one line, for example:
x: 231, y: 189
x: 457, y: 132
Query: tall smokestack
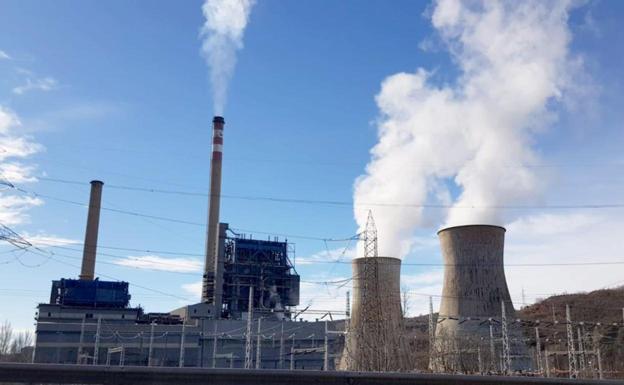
x: 211, y: 290
x: 87, y: 271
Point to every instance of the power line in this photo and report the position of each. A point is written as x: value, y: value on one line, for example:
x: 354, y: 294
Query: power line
x: 351, y: 203
x: 554, y: 264
x: 50, y: 256
x: 173, y: 220
x: 606, y: 263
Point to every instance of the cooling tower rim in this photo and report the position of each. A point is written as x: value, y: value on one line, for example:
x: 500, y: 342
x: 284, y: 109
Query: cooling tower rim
x: 475, y: 225
x: 362, y: 259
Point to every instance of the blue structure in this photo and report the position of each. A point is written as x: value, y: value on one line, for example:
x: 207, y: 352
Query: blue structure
x: 96, y: 293
x: 263, y: 265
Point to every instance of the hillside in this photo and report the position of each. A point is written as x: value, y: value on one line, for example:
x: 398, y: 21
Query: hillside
x: 597, y: 315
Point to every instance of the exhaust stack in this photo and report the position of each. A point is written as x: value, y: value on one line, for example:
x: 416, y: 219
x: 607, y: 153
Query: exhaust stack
x: 211, y: 287
x: 87, y: 271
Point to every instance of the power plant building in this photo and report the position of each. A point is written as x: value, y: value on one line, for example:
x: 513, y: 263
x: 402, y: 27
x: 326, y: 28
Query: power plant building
x: 250, y: 290
x: 88, y: 320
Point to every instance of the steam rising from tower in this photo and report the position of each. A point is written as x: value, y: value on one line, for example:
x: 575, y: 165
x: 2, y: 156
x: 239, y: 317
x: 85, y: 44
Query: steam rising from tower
x: 211, y: 288
x: 222, y: 35
x: 469, y: 143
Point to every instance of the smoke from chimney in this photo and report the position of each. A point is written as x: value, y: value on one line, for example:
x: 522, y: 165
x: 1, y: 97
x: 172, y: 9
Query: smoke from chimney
x: 222, y: 35
x: 468, y: 145
x: 87, y: 271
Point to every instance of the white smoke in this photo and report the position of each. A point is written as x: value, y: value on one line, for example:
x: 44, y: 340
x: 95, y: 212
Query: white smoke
x: 468, y: 144
x: 222, y: 35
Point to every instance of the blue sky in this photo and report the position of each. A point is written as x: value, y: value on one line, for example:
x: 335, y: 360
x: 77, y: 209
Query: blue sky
x: 119, y: 92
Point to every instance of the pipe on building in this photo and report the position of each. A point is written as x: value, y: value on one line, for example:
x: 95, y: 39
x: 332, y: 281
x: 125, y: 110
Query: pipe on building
x: 87, y: 271
x: 209, y: 286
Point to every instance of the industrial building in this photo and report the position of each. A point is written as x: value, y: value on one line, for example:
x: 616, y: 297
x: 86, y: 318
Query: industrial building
x: 250, y: 289
x: 244, y: 319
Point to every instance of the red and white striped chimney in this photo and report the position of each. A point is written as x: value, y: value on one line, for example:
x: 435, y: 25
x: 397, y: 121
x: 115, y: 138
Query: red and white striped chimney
x: 211, y: 290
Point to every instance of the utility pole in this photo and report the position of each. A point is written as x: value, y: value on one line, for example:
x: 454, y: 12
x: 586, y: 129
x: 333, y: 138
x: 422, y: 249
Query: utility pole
x: 538, y: 351
x: 96, y: 348
x: 326, y: 352
x: 506, y: 352
x: 182, y: 338
x: 292, y: 353
x: 151, y: 345
x: 572, y: 364
x: 248, y: 335
x: 546, y: 362
x: 433, y: 361
x: 479, y: 359
x: 281, y: 349
x: 348, y: 311
x: 600, y: 374
x: 80, y: 345
x: 214, y: 345
x: 258, y: 344
x: 552, y: 306
x: 581, y: 349
x: 492, y: 349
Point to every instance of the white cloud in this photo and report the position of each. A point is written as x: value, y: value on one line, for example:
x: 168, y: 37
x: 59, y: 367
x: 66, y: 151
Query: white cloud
x: 154, y: 262
x: 14, y: 145
x: 339, y: 254
x: 194, y: 289
x: 45, y: 240
x: 41, y: 84
x: 329, y: 297
x: 574, y: 237
x: 4, y: 55
x: 17, y: 172
x: 14, y: 208
x: 477, y: 133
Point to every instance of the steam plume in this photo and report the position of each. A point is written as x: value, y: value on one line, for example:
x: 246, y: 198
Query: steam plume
x: 222, y: 35
x: 469, y: 143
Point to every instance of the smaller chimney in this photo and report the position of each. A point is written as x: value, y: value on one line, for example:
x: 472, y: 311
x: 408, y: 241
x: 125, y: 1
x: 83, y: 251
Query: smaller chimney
x: 87, y: 271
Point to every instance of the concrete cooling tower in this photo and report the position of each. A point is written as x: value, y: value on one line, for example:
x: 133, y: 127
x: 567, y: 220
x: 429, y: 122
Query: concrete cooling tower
x: 373, y: 341
x: 472, y: 297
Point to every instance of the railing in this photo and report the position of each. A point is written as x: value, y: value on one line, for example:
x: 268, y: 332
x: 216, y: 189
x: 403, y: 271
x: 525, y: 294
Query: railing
x: 89, y: 374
